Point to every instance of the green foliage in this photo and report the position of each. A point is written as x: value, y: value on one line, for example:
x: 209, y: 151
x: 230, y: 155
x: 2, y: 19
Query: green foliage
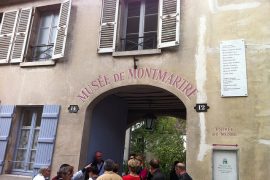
x: 165, y: 142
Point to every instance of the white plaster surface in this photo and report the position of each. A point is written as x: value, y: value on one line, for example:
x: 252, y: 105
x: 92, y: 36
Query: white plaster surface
x: 200, y: 59
x: 264, y: 141
x: 215, y: 7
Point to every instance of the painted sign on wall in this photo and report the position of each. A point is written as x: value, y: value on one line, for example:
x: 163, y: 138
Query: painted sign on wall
x: 158, y: 75
x: 224, y: 131
x: 233, y: 68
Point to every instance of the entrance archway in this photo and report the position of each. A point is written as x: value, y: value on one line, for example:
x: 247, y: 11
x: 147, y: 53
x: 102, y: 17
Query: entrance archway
x: 110, y: 114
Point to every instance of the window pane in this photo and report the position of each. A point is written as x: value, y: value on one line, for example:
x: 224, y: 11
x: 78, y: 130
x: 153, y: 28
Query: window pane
x: 24, y: 138
x: 133, y: 25
x: 32, y: 159
x: 44, y: 52
x: 150, y: 23
x: 131, y: 42
x: 35, y: 139
x: 27, y: 118
x: 21, y: 155
x: 53, y: 35
x: 43, y: 37
x: 150, y: 40
x: 55, y: 19
x: 38, y: 120
x: 151, y: 7
x: 54, y: 28
x: 45, y: 20
x: 134, y: 8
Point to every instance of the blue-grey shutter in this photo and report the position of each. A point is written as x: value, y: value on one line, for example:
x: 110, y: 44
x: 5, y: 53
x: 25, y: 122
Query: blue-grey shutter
x: 46, y: 138
x: 6, y: 115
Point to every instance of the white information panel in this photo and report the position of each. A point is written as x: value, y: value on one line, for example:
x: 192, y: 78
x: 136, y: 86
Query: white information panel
x: 233, y: 68
x: 225, y: 165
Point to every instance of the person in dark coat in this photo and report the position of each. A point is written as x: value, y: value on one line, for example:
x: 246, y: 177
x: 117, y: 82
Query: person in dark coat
x: 173, y: 175
x: 154, y: 170
x: 98, y: 163
x: 180, y: 170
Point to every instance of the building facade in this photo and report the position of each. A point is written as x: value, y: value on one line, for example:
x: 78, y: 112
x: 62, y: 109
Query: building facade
x: 76, y: 74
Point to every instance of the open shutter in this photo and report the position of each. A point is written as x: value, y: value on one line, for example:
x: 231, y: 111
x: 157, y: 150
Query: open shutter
x: 108, y: 26
x: 21, y: 35
x: 8, y: 26
x: 169, y: 23
x: 6, y: 115
x: 62, y: 29
x: 46, y: 139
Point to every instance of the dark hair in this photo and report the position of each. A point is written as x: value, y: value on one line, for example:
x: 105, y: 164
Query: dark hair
x: 132, y: 156
x: 108, y: 165
x: 63, y: 171
x: 59, y: 173
x: 115, y: 167
x: 64, y: 165
x: 174, y: 164
x: 154, y: 163
x: 93, y: 169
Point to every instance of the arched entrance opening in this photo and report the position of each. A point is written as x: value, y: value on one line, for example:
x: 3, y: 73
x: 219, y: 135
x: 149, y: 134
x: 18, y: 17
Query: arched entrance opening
x: 112, y: 113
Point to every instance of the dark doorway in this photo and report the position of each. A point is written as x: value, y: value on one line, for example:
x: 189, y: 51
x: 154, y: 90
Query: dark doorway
x: 118, y: 109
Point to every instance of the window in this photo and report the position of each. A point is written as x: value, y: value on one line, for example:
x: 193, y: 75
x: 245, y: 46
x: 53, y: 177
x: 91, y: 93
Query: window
x: 43, y: 36
x: 139, y: 25
x: 27, y: 140
x: 29, y: 146
x: 34, y: 34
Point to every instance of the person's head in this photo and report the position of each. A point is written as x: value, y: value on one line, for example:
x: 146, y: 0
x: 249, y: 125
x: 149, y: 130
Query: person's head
x: 133, y: 165
x: 45, y: 171
x: 174, y: 164
x: 115, y: 167
x: 108, y: 165
x: 98, y: 156
x: 132, y: 156
x: 180, y: 168
x: 154, y: 165
x: 140, y: 159
x: 64, y: 165
x: 66, y: 172
x: 93, y: 171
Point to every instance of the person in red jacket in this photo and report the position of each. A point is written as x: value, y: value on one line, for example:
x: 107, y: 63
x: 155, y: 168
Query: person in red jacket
x: 142, y: 170
x: 133, y: 165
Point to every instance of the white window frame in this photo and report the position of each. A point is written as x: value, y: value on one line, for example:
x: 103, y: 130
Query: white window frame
x: 52, y: 15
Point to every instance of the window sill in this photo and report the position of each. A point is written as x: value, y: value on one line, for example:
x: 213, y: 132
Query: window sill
x: 136, y: 53
x: 37, y: 63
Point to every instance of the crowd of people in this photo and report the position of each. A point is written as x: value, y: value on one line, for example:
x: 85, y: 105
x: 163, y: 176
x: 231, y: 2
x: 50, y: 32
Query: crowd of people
x: 108, y: 170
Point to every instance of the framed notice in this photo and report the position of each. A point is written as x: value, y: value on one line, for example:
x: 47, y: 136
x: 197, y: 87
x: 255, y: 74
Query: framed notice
x: 225, y: 165
x: 233, y: 68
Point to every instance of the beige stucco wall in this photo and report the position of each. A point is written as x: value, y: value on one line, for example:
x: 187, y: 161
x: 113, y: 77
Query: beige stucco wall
x: 203, y: 25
